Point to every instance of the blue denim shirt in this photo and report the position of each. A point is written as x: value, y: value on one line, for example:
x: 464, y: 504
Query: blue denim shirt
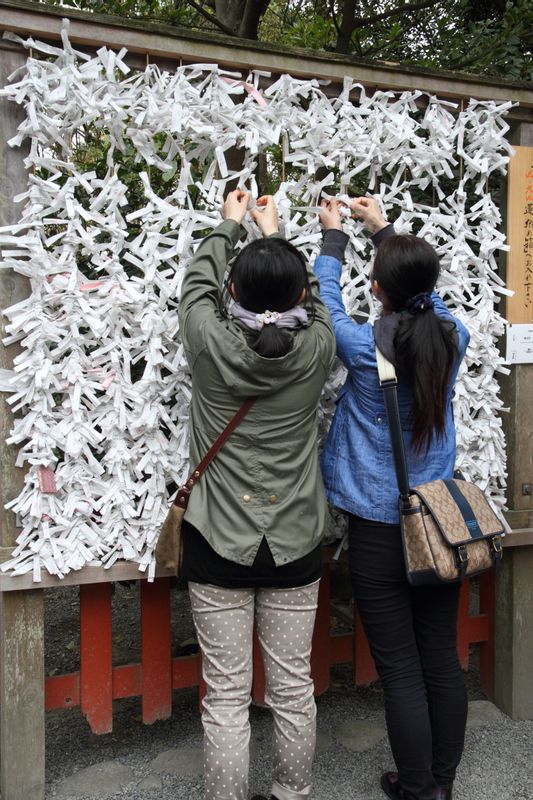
x: 357, y: 463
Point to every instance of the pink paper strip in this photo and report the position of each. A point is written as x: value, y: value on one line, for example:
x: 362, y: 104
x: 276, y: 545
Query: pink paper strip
x: 47, y: 480
x: 250, y: 88
x: 108, y: 380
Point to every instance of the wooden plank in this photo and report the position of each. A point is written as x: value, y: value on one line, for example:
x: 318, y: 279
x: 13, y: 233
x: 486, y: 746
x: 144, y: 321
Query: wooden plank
x: 487, y: 607
x: 127, y: 681
x: 341, y: 645
x: 520, y: 236
x: 156, y: 651
x: 21, y: 696
x: 518, y: 425
x: 187, y: 672
x: 519, y: 538
x: 519, y: 519
x: 13, y: 287
x: 21, y: 616
x: 96, y: 657
x: 142, y: 36
x: 62, y: 691
x: 477, y: 629
x: 120, y: 571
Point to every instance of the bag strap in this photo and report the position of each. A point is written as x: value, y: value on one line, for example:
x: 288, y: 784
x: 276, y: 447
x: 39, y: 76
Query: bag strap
x: 182, y: 497
x: 388, y: 382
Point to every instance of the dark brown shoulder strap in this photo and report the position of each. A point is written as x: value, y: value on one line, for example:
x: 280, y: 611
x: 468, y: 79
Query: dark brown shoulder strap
x: 182, y: 497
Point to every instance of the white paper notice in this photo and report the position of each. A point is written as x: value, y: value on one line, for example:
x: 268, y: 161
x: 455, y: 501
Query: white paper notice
x: 519, y: 348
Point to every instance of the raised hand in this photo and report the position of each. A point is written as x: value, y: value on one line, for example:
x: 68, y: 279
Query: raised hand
x: 330, y: 215
x: 368, y: 210
x: 236, y: 205
x: 265, y: 214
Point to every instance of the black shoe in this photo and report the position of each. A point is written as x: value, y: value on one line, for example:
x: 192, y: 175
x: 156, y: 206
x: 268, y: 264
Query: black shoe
x: 392, y: 788
x: 262, y: 797
x: 391, y: 785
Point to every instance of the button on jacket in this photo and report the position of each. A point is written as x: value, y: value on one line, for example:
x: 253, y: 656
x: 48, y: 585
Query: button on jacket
x: 357, y: 463
x: 266, y: 480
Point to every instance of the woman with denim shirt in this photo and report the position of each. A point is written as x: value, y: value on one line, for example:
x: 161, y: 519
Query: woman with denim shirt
x: 411, y: 630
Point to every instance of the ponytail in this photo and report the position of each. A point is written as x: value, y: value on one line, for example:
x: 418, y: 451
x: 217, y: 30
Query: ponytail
x: 425, y: 351
x: 406, y: 268
x: 272, y: 342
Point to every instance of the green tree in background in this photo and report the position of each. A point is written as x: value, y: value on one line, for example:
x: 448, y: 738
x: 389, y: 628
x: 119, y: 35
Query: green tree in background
x: 492, y: 37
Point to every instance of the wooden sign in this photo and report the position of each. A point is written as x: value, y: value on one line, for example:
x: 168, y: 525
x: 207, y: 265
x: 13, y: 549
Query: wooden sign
x: 520, y: 236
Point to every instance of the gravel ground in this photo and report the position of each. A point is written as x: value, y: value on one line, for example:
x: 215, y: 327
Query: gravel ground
x: 497, y: 764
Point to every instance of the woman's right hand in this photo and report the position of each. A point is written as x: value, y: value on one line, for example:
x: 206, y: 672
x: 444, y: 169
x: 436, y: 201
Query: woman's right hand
x: 368, y: 210
x: 330, y: 215
x: 265, y: 215
x: 236, y: 205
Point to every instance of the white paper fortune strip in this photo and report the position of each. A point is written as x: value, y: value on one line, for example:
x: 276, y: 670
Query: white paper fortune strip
x: 101, y: 386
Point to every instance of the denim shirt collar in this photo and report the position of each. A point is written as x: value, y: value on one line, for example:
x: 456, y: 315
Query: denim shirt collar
x: 384, y: 332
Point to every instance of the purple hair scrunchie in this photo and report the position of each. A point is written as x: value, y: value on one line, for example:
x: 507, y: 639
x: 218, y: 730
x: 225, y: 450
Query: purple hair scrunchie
x: 420, y: 302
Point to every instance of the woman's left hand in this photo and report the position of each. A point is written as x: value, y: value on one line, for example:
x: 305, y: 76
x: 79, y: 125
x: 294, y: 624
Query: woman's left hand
x: 236, y: 205
x: 330, y: 215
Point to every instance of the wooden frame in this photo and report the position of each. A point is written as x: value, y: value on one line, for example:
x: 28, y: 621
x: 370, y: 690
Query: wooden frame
x: 22, y: 684
x: 167, y: 42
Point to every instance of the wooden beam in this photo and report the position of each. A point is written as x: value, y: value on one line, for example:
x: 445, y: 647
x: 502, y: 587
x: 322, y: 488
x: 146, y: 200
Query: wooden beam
x: 120, y: 571
x: 519, y: 538
x: 520, y: 236
x: 22, y: 696
x: 13, y: 287
x: 21, y: 616
x: 164, y: 41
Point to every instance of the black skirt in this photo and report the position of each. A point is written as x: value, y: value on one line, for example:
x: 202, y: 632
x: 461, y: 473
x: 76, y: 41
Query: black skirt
x: 202, y: 564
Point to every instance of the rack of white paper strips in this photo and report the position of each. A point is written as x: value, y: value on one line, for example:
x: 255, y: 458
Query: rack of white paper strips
x: 99, y: 445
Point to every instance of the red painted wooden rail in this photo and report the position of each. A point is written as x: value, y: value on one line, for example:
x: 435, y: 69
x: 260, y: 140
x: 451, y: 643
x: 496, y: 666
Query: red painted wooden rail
x: 98, y: 682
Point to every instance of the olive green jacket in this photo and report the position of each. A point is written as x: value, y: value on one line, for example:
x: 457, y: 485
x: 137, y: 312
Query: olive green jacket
x: 266, y: 479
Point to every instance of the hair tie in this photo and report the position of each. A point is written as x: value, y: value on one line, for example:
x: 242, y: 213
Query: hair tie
x: 420, y: 302
x: 293, y: 318
x: 268, y: 318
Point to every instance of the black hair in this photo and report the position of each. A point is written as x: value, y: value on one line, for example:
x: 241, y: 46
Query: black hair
x: 270, y: 274
x: 425, y: 345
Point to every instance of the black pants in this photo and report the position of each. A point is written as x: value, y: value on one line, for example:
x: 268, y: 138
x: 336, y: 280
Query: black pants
x: 412, y: 635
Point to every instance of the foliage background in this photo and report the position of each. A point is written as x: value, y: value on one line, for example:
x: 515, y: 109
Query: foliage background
x: 488, y: 37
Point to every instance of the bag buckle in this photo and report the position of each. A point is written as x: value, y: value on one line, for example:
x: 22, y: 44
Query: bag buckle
x: 405, y: 503
x: 462, y: 554
x: 496, y: 545
x: 182, y: 498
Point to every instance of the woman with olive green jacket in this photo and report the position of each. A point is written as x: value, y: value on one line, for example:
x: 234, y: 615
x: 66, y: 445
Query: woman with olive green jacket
x: 255, y: 520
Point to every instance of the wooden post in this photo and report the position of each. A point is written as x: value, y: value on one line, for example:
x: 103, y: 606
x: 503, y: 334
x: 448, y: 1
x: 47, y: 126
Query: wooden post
x: 156, y: 650
x: 514, y: 587
x: 96, y: 656
x: 21, y: 613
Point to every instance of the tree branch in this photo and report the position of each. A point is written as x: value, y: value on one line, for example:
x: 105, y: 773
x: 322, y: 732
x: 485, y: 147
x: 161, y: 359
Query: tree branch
x: 331, y: 4
x: 361, y: 22
x: 211, y: 17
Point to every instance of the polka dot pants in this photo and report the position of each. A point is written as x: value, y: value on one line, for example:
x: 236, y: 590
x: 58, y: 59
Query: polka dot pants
x: 224, y: 621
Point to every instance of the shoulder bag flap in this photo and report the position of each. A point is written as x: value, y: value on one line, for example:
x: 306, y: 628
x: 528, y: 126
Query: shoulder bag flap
x: 460, y: 510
